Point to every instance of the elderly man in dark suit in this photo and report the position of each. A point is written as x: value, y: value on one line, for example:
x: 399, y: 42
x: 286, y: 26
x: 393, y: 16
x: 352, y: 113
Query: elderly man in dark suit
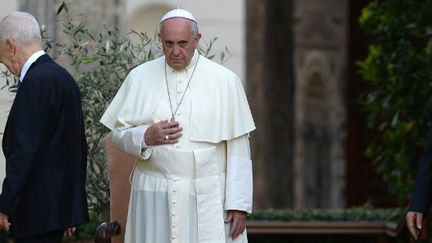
x: 43, y: 194
x: 421, y: 197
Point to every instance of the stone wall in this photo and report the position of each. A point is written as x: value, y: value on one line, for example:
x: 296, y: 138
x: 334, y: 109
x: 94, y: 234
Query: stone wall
x: 296, y: 62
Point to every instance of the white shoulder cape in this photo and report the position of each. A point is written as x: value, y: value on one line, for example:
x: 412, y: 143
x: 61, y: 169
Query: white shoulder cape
x: 219, y: 111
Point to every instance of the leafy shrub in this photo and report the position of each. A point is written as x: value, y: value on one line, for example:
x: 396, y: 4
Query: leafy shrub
x: 101, y: 61
x: 398, y: 101
x: 345, y: 214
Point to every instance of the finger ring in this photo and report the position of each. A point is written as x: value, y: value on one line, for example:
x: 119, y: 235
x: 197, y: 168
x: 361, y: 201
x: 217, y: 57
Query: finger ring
x: 166, y: 137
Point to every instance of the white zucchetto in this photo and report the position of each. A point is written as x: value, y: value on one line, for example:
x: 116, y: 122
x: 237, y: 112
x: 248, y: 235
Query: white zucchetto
x: 178, y: 13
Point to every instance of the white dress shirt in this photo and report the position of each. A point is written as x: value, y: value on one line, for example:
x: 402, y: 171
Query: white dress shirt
x: 29, y: 62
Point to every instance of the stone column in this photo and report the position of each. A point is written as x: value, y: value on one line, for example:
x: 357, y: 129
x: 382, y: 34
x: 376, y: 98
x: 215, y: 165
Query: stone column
x: 270, y: 88
x: 320, y: 56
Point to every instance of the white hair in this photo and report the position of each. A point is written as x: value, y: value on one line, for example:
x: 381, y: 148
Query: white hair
x: 20, y: 26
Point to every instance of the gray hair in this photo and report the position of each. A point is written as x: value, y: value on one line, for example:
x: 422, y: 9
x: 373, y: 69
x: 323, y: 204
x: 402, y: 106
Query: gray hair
x: 194, y: 27
x: 20, y: 26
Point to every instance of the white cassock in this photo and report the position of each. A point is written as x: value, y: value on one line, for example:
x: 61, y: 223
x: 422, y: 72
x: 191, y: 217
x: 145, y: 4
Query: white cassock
x: 181, y: 192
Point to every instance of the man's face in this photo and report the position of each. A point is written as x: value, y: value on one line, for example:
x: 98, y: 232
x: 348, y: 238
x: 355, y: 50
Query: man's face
x: 7, y: 51
x: 178, y: 42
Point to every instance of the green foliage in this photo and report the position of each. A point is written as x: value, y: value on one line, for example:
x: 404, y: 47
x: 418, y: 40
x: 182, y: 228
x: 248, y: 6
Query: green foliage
x: 398, y: 100
x: 101, y: 62
x: 345, y: 214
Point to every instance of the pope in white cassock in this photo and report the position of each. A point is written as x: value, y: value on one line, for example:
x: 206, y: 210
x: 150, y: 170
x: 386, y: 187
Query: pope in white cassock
x: 187, y: 121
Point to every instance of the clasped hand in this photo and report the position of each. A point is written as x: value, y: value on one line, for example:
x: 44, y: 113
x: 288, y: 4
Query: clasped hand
x: 163, y: 132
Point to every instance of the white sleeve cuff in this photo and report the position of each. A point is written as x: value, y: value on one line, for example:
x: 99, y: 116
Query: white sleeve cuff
x: 131, y: 141
x: 239, y: 185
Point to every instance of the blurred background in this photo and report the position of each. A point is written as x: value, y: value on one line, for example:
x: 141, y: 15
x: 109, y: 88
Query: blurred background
x: 339, y: 89
x: 297, y: 60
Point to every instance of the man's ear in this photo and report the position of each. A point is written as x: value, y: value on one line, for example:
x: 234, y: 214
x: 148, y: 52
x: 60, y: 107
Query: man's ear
x: 197, y: 39
x: 11, y: 45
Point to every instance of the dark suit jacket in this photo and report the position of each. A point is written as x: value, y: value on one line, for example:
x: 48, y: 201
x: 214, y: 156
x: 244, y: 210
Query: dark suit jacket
x: 45, y: 149
x: 421, y: 197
